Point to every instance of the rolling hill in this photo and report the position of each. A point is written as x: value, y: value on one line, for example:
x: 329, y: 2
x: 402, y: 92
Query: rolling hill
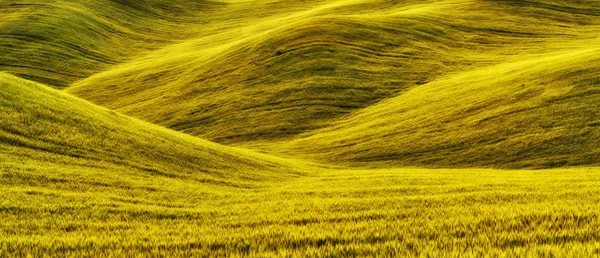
x: 313, y: 128
x: 60, y: 42
x: 272, y: 78
x: 42, y: 128
x: 538, y: 113
x: 82, y: 180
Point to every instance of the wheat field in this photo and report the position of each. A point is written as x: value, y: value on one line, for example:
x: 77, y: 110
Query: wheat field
x: 277, y: 128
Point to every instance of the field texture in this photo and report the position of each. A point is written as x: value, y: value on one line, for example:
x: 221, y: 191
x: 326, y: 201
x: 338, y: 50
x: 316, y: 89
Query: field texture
x: 340, y: 213
x: 314, y: 128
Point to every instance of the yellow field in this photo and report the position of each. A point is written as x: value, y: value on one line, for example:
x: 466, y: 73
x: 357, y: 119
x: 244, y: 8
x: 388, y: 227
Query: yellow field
x: 389, y: 212
x: 278, y: 128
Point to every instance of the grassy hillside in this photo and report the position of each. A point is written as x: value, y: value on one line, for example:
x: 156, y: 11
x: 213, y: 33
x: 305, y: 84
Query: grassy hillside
x: 42, y: 128
x: 286, y: 73
x: 60, y: 42
x: 354, y: 128
x: 541, y: 112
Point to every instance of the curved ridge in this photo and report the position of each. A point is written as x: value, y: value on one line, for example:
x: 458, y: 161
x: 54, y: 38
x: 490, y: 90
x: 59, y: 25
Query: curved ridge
x: 234, y: 90
x: 43, y: 126
x: 533, y: 113
x: 60, y: 42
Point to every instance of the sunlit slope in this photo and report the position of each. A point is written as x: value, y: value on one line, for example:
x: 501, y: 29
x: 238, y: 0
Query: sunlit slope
x: 542, y: 112
x: 59, y: 42
x: 286, y: 73
x: 42, y: 128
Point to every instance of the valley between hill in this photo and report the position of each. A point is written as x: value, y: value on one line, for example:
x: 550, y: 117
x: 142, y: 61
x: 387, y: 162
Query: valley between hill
x: 299, y: 128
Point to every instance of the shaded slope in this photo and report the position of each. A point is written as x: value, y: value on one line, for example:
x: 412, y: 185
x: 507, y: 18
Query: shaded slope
x: 256, y: 91
x: 42, y: 128
x: 542, y: 112
x: 289, y: 73
x: 59, y: 42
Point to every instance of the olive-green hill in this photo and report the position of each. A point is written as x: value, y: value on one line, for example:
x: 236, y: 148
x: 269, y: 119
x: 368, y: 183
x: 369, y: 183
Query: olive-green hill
x: 311, y: 128
x: 60, y: 42
x: 303, y: 78
x: 42, y: 128
x: 278, y: 74
x: 538, y: 113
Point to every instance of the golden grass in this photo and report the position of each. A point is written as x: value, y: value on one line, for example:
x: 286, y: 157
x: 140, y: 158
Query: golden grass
x: 327, y: 107
x: 541, y: 112
x: 46, y: 126
x: 289, y: 72
x: 60, y: 42
x: 81, y: 180
x: 390, y: 212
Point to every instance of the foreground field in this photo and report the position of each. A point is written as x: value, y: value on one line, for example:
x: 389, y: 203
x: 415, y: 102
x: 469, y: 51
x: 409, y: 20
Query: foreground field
x: 399, y: 212
x: 81, y: 180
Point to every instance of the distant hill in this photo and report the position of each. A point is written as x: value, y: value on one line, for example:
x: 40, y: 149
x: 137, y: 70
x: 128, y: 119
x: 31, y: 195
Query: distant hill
x: 538, y: 113
x: 280, y: 73
x: 300, y: 77
x: 60, y: 42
